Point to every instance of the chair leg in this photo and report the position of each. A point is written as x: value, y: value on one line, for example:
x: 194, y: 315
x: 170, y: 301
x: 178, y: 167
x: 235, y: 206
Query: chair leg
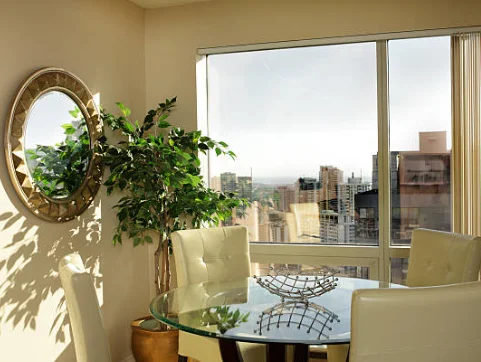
x: 182, y: 359
x: 337, y: 352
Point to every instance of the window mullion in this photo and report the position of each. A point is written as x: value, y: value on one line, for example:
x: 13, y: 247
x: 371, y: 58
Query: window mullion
x: 384, y: 182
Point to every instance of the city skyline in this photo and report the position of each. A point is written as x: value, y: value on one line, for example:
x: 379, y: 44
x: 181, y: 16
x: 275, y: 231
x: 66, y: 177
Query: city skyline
x: 327, y: 209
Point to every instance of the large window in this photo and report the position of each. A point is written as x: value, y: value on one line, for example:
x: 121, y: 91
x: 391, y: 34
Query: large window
x: 338, y: 145
x: 420, y: 135
x: 303, y: 123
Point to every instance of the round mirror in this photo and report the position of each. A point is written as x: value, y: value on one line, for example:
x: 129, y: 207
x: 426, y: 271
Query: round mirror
x: 58, y: 155
x: 53, y: 130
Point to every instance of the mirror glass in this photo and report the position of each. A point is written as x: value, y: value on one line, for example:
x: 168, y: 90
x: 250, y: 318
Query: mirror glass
x: 57, y: 145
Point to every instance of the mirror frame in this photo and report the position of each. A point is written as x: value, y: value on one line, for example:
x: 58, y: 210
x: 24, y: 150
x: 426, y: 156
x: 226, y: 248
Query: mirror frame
x: 43, y: 81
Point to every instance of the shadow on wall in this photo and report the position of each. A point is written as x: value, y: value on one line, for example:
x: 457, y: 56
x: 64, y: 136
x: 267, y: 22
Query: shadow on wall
x: 31, y: 270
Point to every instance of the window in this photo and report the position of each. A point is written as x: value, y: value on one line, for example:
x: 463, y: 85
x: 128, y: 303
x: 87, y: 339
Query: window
x: 420, y: 138
x: 337, y: 144
x: 303, y: 123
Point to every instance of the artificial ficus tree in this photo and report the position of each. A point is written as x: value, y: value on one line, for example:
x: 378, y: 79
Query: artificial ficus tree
x: 157, y: 171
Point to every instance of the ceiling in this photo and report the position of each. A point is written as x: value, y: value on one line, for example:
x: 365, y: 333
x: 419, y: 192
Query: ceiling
x: 153, y: 4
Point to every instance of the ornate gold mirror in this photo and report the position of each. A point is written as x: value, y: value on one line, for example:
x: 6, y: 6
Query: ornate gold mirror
x: 52, y: 131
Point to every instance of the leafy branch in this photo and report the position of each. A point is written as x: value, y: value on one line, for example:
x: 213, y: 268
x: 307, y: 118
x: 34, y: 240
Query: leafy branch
x: 157, y: 171
x: 59, y: 170
x: 223, y: 318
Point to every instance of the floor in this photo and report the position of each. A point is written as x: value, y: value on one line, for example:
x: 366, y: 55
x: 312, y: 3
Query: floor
x: 315, y: 359
x: 310, y: 360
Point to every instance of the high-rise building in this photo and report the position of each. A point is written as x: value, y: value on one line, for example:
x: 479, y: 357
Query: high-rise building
x: 278, y: 227
x: 228, y: 182
x: 394, y: 160
x: 347, y: 211
x: 329, y: 230
x: 244, y: 187
x: 307, y: 189
x: 424, y: 187
x: 329, y: 177
x: 287, y: 196
x: 420, y: 192
x: 215, y: 183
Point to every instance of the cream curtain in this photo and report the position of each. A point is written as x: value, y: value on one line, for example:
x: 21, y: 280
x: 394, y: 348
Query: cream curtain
x: 466, y: 160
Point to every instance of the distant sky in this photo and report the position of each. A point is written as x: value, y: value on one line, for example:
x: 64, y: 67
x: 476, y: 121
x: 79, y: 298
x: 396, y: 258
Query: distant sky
x: 44, y: 123
x: 286, y: 112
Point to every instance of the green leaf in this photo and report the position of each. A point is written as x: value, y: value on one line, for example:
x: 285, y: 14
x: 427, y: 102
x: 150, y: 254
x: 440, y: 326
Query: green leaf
x: 69, y: 129
x: 163, y: 124
x: 75, y: 112
x: 128, y: 128
x: 125, y: 111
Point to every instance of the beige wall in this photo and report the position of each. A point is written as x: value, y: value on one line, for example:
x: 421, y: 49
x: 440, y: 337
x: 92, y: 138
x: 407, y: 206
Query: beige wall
x: 102, y: 42
x: 173, y: 34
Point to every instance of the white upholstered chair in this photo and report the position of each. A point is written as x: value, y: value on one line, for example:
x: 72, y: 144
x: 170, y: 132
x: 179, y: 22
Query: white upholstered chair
x: 90, y: 339
x: 436, y: 258
x: 212, y: 254
x: 306, y: 216
x: 439, y: 258
x: 432, y: 324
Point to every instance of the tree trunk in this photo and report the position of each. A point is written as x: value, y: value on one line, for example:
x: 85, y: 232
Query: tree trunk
x: 164, y: 272
x: 157, y: 267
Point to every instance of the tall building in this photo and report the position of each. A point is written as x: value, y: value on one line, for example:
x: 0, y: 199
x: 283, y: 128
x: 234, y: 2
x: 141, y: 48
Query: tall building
x: 394, y: 160
x: 329, y: 177
x: 228, y: 182
x: 424, y: 187
x: 347, y: 210
x: 279, y: 231
x: 329, y: 230
x: 244, y: 187
x: 287, y: 196
x: 307, y: 190
x: 420, y: 192
x: 215, y: 183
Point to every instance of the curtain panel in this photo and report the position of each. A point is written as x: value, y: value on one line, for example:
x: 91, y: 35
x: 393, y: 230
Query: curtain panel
x: 466, y: 160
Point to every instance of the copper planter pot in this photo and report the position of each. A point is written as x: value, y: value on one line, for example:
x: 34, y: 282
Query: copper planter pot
x: 154, y: 346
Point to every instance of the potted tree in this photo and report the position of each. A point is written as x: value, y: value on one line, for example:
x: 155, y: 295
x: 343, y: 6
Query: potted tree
x: 157, y: 172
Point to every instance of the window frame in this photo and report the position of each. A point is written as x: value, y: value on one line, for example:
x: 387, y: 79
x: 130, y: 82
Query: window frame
x: 376, y: 258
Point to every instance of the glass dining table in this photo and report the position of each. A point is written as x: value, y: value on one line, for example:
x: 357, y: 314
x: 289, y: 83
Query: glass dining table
x: 244, y: 310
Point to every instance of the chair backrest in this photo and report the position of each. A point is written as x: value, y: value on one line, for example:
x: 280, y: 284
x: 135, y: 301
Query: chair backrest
x: 291, y: 227
x: 211, y: 254
x: 307, y: 218
x: 90, y: 339
x: 433, y: 324
x: 439, y: 258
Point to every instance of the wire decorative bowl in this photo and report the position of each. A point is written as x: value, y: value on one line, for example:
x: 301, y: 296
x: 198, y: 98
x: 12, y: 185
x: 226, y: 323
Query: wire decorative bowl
x: 296, y: 287
x: 297, y: 314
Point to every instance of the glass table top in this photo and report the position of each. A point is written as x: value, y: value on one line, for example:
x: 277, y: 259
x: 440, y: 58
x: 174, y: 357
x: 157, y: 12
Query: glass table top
x: 243, y: 310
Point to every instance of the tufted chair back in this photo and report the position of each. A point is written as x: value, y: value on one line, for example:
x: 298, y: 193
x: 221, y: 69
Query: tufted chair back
x: 307, y: 218
x: 433, y: 324
x: 90, y: 339
x: 291, y: 227
x: 212, y: 254
x: 439, y: 258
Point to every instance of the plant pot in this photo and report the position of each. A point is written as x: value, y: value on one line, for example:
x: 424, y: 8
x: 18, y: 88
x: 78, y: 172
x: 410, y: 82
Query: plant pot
x: 153, y: 346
